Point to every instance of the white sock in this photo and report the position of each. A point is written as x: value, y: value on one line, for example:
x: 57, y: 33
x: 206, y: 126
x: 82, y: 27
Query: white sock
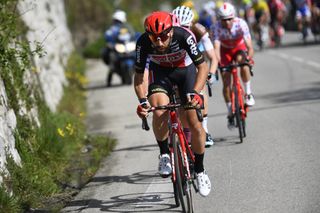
x: 229, y: 108
x: 247, y: 87
x: 205, y: 123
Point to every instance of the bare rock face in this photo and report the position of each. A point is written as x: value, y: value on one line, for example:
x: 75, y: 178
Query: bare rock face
x: 46, y: 20
x: 47, y: 25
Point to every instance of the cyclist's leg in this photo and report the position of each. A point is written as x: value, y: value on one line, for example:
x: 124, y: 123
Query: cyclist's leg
x: 241, y: 57
x: 226, y: 59
x: 197, y: 132
x: 185, y: 79
x: 209, y: 140
x: 157, y: 95
x: 160, y: 117
x: 299, y: 20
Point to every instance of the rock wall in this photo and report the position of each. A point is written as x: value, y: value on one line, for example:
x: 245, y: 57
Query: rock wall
x: 47, y: 24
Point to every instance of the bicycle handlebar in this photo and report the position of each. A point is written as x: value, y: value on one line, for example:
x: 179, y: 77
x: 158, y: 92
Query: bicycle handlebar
x: 230, y: 66
x: 145, y: 124
x: 209, y: 89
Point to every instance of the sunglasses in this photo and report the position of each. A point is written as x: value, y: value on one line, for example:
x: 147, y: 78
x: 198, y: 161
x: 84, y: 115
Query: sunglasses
x: 227, y: 19
x: 162, y: 36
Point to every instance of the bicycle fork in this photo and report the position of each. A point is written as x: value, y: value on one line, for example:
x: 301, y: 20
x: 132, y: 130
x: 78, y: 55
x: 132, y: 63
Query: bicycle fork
x: 237, y: 86
x: 176, y: 129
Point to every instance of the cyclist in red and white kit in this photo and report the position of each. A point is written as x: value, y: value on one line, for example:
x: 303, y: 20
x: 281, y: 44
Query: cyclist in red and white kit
x: 232, y: 42
x: 173, y: 55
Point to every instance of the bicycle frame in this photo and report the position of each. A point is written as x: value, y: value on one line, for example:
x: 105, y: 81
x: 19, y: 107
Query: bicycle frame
x: 238, y: 107
x: 176, y: 128
x: 180, y: 154
x: 236, y: 85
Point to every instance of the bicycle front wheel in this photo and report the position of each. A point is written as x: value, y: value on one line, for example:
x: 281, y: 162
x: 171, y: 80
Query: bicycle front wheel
x: 240, y: 122
x: 182, y: 184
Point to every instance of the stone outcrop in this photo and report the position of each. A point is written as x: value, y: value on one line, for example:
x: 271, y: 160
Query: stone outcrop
x: 47, y: 24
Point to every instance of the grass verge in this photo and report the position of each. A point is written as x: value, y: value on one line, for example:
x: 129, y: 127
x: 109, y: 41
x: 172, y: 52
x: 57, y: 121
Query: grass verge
x: 58, y: 157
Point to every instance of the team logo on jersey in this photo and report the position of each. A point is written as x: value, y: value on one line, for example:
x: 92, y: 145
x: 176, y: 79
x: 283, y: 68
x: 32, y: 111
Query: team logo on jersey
x: 192, y: 45
x: 138, y: 52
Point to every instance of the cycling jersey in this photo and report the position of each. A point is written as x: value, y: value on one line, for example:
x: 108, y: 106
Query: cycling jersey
x: 260, y: 6
x: 276, y: 5
x: 303, y: 9
x: 181, y: 52
x: 231, y: 38
x: 302, y: 3
x: 202, y: 36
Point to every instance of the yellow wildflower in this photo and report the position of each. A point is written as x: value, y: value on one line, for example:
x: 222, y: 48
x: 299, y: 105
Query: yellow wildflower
x: 60, y: 132
x: 70, y: 129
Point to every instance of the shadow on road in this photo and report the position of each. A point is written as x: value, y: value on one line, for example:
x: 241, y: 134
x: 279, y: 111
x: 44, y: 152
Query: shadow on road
x: 227, y: 141
x: 306, y: 94
x: 136, y: 202
x: 144, y: 177
x: 285, y: 99
x: 150, y: 147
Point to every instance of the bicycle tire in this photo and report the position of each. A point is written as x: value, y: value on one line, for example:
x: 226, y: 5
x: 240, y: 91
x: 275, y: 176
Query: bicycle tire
x: 244, y: 128
x: 237, y: 113
x: 182, y: 184
x: 176, y: 193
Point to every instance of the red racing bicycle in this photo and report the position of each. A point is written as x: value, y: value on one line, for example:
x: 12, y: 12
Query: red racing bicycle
x: 181, y: 155
x: 239, y: 108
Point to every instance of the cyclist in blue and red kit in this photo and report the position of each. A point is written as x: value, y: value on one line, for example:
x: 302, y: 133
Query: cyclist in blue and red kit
x: 173, y: 54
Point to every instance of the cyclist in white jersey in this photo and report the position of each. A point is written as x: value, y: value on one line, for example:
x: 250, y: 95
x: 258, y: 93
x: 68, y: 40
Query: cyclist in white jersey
x: 232, y: 42
x: 185, y: 19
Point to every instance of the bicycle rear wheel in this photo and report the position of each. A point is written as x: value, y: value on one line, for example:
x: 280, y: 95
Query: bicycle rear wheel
x: 239, y: 119
x: 182, y: 185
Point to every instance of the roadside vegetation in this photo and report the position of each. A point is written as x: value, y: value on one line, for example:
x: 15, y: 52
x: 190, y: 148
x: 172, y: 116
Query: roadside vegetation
x: 57, y: 157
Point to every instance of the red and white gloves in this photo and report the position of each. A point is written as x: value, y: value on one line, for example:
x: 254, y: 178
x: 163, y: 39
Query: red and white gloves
x: 142, y: 108
x: 195, y: 99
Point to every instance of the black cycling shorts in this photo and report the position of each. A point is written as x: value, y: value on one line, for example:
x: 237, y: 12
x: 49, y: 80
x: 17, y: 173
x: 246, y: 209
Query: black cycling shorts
x: 162, y: 79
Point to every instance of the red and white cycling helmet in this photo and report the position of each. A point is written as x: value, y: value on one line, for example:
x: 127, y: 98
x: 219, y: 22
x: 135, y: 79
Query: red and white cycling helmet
x: 158, y: 23
x: 226, y: 11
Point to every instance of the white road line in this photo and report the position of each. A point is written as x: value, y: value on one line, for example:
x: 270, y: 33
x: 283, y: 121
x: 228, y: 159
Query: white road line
x: 157, y: 185
x: 294, y: 58
x: 314, y: 64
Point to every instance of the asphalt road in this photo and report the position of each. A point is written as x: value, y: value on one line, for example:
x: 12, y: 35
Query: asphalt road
x: 275, y: 170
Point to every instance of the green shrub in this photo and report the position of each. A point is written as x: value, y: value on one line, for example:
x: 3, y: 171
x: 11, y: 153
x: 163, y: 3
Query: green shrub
x: 52, y: 153
x: 93, y: 50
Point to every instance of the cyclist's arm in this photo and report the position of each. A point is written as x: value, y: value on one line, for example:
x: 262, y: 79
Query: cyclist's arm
x: 210, y: 53
x: 140, y: 85
x: 216, y: 42
x: 202, y: 76
x: 249, y: 45
x: 202, y: 36
x: 247, y: 38
x: 140, y: 77
x: 217, y: 45
x: 190, y: 45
